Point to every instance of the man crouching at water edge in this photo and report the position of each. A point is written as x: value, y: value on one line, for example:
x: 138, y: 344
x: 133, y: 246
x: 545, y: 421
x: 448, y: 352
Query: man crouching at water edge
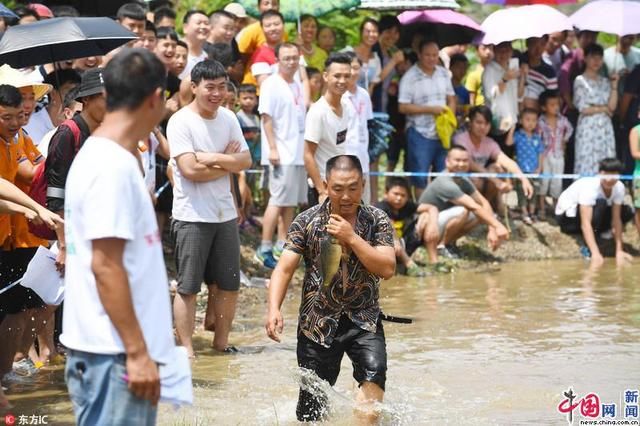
x: 347, y: 247
x: 451, y: 207
x: 117, y: 314
x: 594, y: 206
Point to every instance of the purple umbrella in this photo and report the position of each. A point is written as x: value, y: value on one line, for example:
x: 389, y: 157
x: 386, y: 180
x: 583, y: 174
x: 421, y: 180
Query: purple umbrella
x: 523, y: 22
x: 445, y: 27
x: 615, y: 17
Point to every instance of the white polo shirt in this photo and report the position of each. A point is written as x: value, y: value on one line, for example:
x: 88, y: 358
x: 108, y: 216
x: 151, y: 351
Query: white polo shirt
x: 419, y: 88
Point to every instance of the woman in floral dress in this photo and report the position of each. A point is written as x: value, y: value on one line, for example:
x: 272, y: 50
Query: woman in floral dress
x: 595, y: 97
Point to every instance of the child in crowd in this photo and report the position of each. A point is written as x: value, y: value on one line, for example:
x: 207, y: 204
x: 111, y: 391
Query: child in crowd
x: 555, y: 130
x: 249, y: 120
x: 250, y: 125
x: 180, y: 58
x: 458, y: 66
x: 529, y: 156
x: 315, y: 83
x: 397, y: 204
x: 231, y: 99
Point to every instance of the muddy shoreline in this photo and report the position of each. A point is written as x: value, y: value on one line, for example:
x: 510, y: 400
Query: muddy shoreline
x: 540, y: 241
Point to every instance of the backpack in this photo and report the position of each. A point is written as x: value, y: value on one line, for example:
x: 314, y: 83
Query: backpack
x: 38, y: 190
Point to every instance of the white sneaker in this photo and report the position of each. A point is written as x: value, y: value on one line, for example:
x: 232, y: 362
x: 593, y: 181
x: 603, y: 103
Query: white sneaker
x: 25, y: 367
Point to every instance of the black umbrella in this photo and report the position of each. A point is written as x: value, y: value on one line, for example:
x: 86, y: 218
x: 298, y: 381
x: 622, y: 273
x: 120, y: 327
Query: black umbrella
x: 61, y: 39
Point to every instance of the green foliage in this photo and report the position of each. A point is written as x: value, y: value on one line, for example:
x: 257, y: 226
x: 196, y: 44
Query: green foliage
x: 346, y: 24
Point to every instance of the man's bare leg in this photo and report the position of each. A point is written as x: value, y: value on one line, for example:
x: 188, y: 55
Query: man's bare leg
x: 163, y: 219
x: 210, y: 313
x: 458, y: 227
x: 431, y: 244
x: 225, y: 309
x: 184, y: 312
x: 11, y: 330
x: 369, y: 395
x: 45, y: 330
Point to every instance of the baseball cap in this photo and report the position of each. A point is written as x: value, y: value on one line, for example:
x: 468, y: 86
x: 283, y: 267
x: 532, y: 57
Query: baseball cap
x: 236, y: 9
x: 42, y: 10
x: 91, y: 83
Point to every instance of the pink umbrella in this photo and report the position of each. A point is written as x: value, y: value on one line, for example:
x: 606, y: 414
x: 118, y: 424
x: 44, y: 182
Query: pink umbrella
x: 615, y: 17
x: 523, y: 22
x: 444, y: 26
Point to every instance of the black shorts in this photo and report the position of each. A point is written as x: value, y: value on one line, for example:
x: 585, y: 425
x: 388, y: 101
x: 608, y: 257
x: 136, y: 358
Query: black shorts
x: 164, y: 203
x: 368, y: 354
x: 411, y: 238
x: 13, y: 265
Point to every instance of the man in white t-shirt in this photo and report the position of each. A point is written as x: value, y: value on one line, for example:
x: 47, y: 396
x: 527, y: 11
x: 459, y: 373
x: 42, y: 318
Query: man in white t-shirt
x: 595, y: 205
x: 206, y: 146
x: 361, y: 102
x: 196, y: 31
x: 117, y: 316
x: 328, y: 123
x: 282, y: 110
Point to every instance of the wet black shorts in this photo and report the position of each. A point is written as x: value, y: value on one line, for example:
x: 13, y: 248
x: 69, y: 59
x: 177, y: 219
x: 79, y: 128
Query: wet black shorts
x: 13, y: 265
x: 368, y: 354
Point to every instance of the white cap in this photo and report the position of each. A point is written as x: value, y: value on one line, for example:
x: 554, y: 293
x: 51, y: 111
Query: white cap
x: 236, y: 9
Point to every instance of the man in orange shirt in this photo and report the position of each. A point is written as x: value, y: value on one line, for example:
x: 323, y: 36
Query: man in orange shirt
x: 252, y: 36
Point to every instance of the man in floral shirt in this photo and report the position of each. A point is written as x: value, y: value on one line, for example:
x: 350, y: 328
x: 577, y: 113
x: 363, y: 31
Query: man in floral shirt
x: 338, y: 314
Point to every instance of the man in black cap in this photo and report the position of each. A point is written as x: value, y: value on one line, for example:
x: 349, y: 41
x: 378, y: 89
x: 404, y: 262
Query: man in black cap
x: 68, y: 139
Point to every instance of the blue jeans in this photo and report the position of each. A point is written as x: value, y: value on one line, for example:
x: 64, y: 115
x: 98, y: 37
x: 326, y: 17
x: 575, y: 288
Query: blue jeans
x: 100, y: 394
x: 422, y: 153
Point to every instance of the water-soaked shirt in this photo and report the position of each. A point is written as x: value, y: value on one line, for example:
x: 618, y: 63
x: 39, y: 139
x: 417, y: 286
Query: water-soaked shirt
x: 321, y: 306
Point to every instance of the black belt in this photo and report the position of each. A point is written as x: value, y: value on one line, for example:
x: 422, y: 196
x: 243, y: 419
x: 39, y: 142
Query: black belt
x: 393, y: 318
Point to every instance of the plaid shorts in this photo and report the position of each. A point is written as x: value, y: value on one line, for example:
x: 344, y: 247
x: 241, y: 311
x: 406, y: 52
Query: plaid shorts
x: 206, y: 252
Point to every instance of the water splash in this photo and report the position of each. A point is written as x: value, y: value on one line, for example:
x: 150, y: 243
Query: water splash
x: 342, y: 407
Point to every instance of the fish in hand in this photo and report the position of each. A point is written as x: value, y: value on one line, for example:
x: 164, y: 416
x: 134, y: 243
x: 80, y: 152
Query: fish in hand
x: 330, y: 254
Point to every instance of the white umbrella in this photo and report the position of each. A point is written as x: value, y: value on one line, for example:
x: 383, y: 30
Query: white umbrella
x: 516, y: 23
x: 615, y: 17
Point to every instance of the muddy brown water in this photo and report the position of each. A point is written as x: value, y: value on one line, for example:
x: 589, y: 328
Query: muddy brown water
x: 495, y: 347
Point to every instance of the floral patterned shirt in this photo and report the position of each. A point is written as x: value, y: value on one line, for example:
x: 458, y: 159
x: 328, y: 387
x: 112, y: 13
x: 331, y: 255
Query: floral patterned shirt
x: 353, y: 290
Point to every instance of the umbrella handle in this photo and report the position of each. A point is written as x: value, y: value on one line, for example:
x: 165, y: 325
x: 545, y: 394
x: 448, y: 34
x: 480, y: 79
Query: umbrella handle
x: 298, y: 14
